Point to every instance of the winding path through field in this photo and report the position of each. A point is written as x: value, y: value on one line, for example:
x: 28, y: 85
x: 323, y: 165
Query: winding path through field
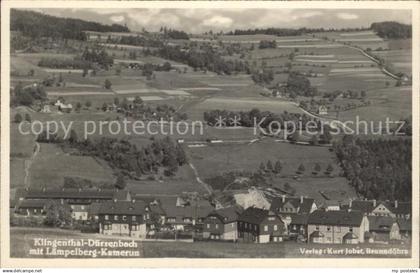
x: 28, y: 164
x: 207, y: 187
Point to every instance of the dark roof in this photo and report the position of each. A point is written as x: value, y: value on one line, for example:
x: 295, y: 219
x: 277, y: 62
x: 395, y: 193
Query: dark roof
x: 253, y: 215
x: 94, y: 208
x: 350, y: 236
x: 401, y: 208
x: 336, y: 218
x: 195, y: 209
x: 304, y: 207
x: 227, y: 215
x: 123, y: 208
x: 299, y: 219
x: 380, y: 223
x: 35, y: 204
x: 316, y: 234
x: 105, y: 194
x: 367, y: 206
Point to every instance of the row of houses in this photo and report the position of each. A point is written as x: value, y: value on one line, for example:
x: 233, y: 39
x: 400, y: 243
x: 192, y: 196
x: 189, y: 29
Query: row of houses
x: 284, y: 218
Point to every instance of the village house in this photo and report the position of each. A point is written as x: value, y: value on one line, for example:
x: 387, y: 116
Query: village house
x: 383, y: 229
x: 30, y: 207
x: 181, y: 215
x: 62, y: 107
x: 79, y: 200
x: 337, y: 227
x: 79, y: 212
x: 294, y: 211
x: 257, y: 225
x: 124, y: 218
x: 221, y: 224
x: 322, y: 110
x: 396, y: 209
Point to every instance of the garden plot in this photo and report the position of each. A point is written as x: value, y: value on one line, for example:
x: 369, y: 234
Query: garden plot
x: 175, y: 92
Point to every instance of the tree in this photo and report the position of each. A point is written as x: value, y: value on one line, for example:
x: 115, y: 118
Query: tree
x: 108, y: 84
x: 262, y: 167
x: 28, y: 118
x: 317, y: 168
x: 363, y: 94
x: 314, y: 140
x: 18, y: 118
x: 88, y: 104
x: 73, y: 138
x: 116, y: 101
x: 301, y: 169
x: 85, y: 72
x: 277, y: 167
x: 137, y: 100
x: 104, y: 107
x: 269, y: 166
x: 57, y: 215
x: 78, y: 106
x: 120, y: 183
x: 330, y: 169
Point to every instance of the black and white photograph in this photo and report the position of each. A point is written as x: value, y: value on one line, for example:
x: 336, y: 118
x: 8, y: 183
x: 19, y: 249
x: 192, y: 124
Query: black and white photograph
x: 195, y: 133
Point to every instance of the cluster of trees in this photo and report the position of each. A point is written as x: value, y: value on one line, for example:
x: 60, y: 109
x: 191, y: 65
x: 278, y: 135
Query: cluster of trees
x: 18, y: 118
x: 137, y: 41
x: 36, y: 25
x: 288, y: 31
x: 392, y: 30
x: 206, y: 59
x: 27, y: 95
x: 98, y: 56
x: 263, y: 76
x: 175, y: 34
x: 246, y: 119
x: 230, y: 180
x: 63, y: 63
x: 377, y: 168
x: 270, y: 168
x: 123, y: 155
x: 267, y: 44
x: 299, y: 85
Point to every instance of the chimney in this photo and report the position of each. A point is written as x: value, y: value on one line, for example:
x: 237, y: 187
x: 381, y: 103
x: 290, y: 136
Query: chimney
x: 283, y: 198
x: 396, y: 203
x: 301, y: 199
x: 351, y: 202
x: 374, y: 202
x: 133, y: 200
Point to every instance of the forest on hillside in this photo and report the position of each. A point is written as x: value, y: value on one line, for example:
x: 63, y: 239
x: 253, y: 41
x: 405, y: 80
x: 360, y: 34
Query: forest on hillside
x: 392, y: 30
x: 377, y: 168
x: 36, y: 25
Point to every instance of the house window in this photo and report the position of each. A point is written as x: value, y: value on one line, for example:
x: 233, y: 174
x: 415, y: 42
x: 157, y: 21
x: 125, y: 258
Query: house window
x: 217, y: 225
x: 124, y: 218
x: 271, y: 218
x: 208, y: 225
x: 34, y: 210
x: 265, y: 228
x: 317, y: 227
x: 106, y: 217
x: 275, y: 227
x: 134, y: 227
x: 351, y: 229
x: 328, y: 228
x: 83, y: 207
x: 255, y: 227
x: 115, y: 217
x: 246, y: 225
x: 133, y: 218
x: 233, y: 224
x: 147, y: 216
